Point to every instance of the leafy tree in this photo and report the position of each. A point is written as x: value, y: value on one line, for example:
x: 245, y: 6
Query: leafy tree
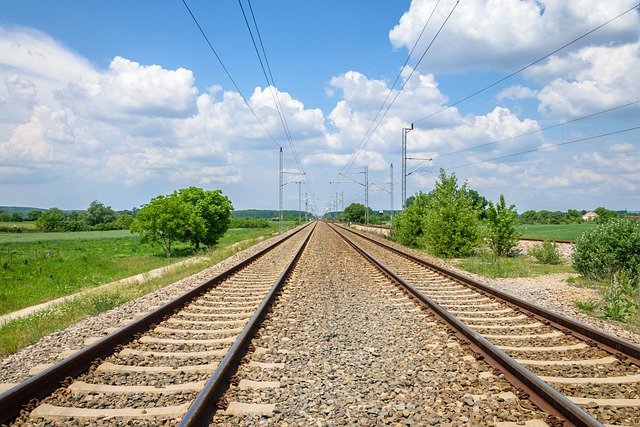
x: 479, y: 203
x: 451, y: 222
x: 501, y: 230
x: 5, y: 216
x: 355, y: 212
x: 209, y: 215
x: 529, y: 217
x: 162, y: 221
x: 408, y: 225
x: 50, y: 220
x: 16, y: 217
x: 609, y: 249
x: 33, y: 215
x: 572, y: 216
x: 605, y: 215
x: 97, y: 213
x: 123, y: 222
x: 188, y: 215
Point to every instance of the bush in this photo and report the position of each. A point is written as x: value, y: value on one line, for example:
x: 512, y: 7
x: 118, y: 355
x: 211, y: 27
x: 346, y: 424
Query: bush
x: 546, y: 253
x: 248, y: 223
x: 608, y: 250
x: 620, y: 297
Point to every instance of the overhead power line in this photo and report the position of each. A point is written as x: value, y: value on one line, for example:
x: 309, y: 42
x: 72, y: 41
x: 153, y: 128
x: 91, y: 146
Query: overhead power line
x: 511, y: 138
x: 246, y: 102
x: 526, y: 66
x: 370, y: 132
x: 547, y: 147
x: 261, y: 53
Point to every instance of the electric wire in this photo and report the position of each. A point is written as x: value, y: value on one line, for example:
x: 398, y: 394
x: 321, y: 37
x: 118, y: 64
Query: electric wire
x: 246, y: 102
x: 539, y: 130
x: 368, y: 137
x: 266, y: 70
x: 547, y: 147
x: 526, y: 66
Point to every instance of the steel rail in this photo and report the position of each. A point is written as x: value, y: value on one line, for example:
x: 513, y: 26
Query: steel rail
x: 205, y: 405
x: 544, y: 396
x: 611, y: 343
x: 14, y: 400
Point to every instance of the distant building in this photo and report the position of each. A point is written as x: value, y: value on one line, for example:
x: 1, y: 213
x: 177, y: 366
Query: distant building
x: 589, y: 216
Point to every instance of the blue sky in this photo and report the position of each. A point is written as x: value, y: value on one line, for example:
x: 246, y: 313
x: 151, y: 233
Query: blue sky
x: 122, y: 101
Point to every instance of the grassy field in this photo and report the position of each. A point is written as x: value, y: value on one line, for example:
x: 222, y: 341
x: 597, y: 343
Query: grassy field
x: 38, y: 267
x: 555, y: 232
x: 87, y: 264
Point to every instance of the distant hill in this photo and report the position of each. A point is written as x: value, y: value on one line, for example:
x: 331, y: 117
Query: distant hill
x: 20, y: 209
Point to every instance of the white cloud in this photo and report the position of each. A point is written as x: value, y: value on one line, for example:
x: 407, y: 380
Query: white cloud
x: 516, y: 92
x: 503, y: 35
x: 593, y: 79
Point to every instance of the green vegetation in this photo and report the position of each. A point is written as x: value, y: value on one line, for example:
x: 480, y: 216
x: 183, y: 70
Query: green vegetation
x: 546, y: 253
x: 555, y: 232
x: 501, y: 232
x: 35, y: 272
x: 187, y: 215
x: 506, y: 267
x: 99, y: 254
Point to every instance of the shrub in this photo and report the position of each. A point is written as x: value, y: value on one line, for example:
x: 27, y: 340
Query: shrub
x: 546, y: 253
x: 608, y: 250
x: 501, y: 230
x: 248, y: 223
x: 620, y: 297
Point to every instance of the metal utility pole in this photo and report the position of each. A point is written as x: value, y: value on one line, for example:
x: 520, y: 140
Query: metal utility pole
x: 281, y: 188
x: 391, y: 188
x: 299, y: 199
x: 405, y: 131
x: 366, y: 194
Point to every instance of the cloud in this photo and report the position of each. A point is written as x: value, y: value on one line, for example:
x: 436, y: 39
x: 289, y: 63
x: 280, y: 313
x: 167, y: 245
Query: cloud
x: 128, y: 90
x: 505, y: 35
x: 592, y: 79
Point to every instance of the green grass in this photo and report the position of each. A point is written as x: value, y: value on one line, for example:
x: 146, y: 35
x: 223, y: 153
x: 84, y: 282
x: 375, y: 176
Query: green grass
x: 22, y: 332
x: 36, y: 271
x: 555, y: 232
x: 58, y: 236
x: 509, y: 267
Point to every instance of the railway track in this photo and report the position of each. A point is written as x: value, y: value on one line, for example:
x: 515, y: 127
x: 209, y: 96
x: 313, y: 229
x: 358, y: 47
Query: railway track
x: 164, y: 366
x: 339, y: 341
x: 594, y: 370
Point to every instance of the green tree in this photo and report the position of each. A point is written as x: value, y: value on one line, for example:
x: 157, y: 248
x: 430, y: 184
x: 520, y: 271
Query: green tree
x: 355, y: 212
x: 98, y: 213
x: 529, y: 217
x: 609, y: 249
x: 187, y: 215
x: 408, y: 225
x: 501, y: 229
x: 50, y: 220
x: 16, y: 217
x: 162, y: 221
x: 573, y: 216
x: 605, y: 215
x: 33, y: 215
x: 451, y: 222
x: 479, y: 203
x: 123, y: 222
x: 209, y: 215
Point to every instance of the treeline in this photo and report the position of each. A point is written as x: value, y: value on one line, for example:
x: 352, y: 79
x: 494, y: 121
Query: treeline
x: 287, y: 215
x: 97, y: 217
x: 572, y: 216
x: 248, y: 223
